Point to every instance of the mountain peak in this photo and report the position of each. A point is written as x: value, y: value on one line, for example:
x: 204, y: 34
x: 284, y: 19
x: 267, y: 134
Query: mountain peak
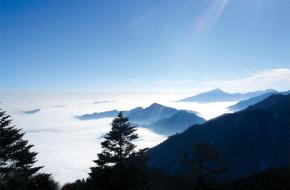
x: 218, y: 95
x: 270, y: 90
x: 217, y: 90
x: 155, y: 105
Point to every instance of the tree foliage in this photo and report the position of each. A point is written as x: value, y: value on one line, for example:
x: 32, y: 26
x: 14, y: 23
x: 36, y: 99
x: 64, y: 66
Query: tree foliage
x: 118, y: 143
x: 42, y: 181
x: 16, y: 158
x: 203, y: 162
x: 271, y: 179
x: 119, y: 165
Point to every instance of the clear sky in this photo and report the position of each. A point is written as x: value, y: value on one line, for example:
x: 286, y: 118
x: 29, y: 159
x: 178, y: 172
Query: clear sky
x: 136, y: 45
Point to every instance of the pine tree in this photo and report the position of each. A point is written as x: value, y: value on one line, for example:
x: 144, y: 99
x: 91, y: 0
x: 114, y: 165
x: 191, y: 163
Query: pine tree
x: 16, y: 158
x: 204, y: 162
x: 119, y: 166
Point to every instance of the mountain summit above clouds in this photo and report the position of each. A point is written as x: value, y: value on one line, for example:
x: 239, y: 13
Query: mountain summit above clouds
x: 146, y: 115
x: 159, y: 118
x: 218, y: 95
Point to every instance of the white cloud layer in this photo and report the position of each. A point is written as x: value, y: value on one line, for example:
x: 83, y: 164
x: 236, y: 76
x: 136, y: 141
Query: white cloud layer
x: 68, y: 146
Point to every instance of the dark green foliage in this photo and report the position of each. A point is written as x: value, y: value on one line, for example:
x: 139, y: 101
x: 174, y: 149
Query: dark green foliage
x: 204, y: 162
x: 42, y: 182
x: 77, y: 185
x: 272, y: 179
x: 119, y: 165
x: 117, y: 146
x: 16, y: 158
x: 160, y: 180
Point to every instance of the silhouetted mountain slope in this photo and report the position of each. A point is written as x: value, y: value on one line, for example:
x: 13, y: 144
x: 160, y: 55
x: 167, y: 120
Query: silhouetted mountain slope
x: 249, y: 141
x: 217, y: 95
x: 176, y: 123
x: 275, y: 104
x: 246, y: 103
x: 251, y: 101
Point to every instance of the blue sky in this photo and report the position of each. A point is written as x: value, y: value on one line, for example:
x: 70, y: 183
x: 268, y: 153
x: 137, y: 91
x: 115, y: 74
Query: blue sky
x: 136, y: 45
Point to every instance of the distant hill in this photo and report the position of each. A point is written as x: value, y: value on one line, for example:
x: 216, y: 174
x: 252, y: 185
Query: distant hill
x: 104, y: 101
x: 31, y: 111
x: 159, y: 118
x: 249, y: 141
x: 176, y: 123
x: 251, y: 101
x: 218, y: 95
x: 150, y: 114
x: 99, y: 115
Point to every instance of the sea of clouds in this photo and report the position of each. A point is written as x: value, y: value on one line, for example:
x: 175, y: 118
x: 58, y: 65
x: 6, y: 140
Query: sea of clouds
x: 68, y: 146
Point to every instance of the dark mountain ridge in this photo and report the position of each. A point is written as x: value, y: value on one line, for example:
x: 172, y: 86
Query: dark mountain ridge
x: 249, y: 141
x: 251, y: 101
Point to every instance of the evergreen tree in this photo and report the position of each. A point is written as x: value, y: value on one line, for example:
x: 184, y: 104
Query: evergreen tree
x: 77, y: 185
x: 119, y: 166
x: 42, y: 181
x: 204, y: 162
x: 16, y: 158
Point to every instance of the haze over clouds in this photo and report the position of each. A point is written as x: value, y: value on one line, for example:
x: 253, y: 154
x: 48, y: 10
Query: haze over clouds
x: 278, y: 79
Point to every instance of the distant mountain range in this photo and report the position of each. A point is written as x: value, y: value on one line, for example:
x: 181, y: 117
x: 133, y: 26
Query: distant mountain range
x: 251, y: 101
x: 218, y: 95
x: 249, y: 141
x: 98, y: 115
x: 161, y: 119
x: 138, y: 115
